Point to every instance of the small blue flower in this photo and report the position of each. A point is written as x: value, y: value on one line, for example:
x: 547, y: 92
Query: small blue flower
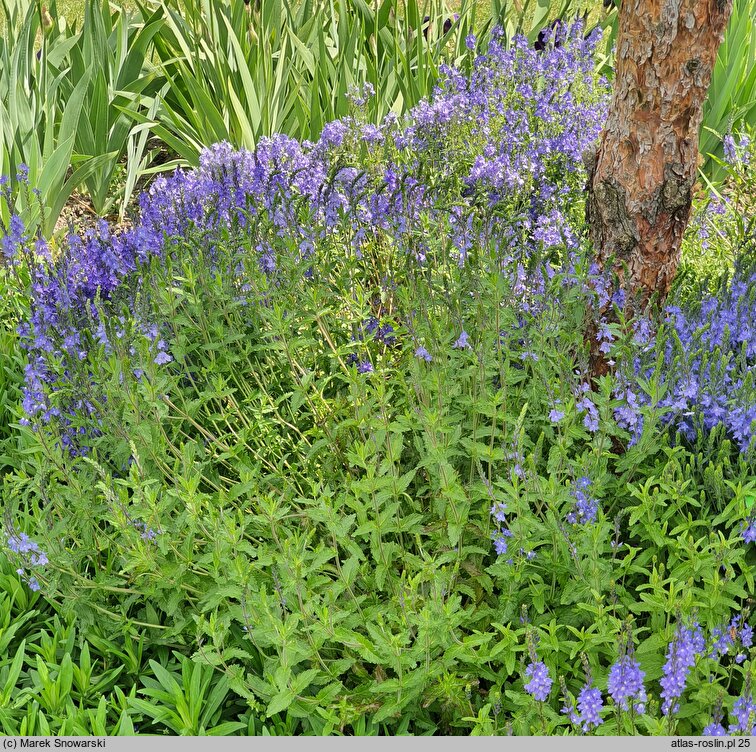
x: 462, y: 341
x: 500, y: 541
x: 421, y: 352
x: 499, y: 511
x: 744, y: 712
x: 746, y: 635
x: 556, y: 415
x: 714, y: 729
x: 29, y: 552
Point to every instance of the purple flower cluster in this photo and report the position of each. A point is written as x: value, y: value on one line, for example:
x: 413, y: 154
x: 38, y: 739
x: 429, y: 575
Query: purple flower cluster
x: 708, y: 355
x: 744, y: 713
x: 708, y: 340
x: 525, y: 119
x: 68, y: 319
x: 14, y: 237
x: 736, y: 154
x: 539, y: 681
x: 735, y: 634
x: 145, y: 531
x: 705, y: 221
x: 556, y: 415
x: 589, y: 705
x: 586, y: 405
x: 499, y: 513
x: 714, y: 350
x: 371, y: 330
x: 462, y: 341
x: 423, y: 354
x: 539, y: 684
x: 585, y: 509
x: 586, y: 714
x: 29, y: 554
x: 625, y: 682
x: 685, y: 647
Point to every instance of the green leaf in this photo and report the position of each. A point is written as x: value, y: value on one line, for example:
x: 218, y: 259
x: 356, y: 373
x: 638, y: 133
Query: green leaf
x: 280, y: 702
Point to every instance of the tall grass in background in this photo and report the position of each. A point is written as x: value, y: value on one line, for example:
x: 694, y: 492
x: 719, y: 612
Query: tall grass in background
x: 63, y: 95
x: 731, y: 102
x: 112, y: 51
x: 80, y: 99
x: 238, y: 72
x: 37, y: 132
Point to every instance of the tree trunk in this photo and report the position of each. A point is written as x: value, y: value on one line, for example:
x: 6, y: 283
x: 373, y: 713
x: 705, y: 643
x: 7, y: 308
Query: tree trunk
x: 641, y: 178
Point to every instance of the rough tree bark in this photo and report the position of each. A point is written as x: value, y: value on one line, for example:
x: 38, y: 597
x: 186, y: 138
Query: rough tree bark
x: 641, y: 178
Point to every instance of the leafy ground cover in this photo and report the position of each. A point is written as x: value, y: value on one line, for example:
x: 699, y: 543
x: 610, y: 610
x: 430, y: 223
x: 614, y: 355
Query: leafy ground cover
x: 317, y: 428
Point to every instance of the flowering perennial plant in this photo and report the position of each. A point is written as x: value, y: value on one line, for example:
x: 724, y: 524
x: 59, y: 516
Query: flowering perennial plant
x: 524, y: 118
x: 707, y: 343
x: 271, y: 442
x: 717, y: 345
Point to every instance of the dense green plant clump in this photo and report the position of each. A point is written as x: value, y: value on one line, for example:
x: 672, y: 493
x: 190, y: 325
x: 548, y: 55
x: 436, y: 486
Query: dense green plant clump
x: 53, y: 682
x: 319, y: 428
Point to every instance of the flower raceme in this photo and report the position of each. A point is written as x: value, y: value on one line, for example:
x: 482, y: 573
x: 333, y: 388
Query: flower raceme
x: 539, y: 684
x: 625, y: 683
x: 687, y: 644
